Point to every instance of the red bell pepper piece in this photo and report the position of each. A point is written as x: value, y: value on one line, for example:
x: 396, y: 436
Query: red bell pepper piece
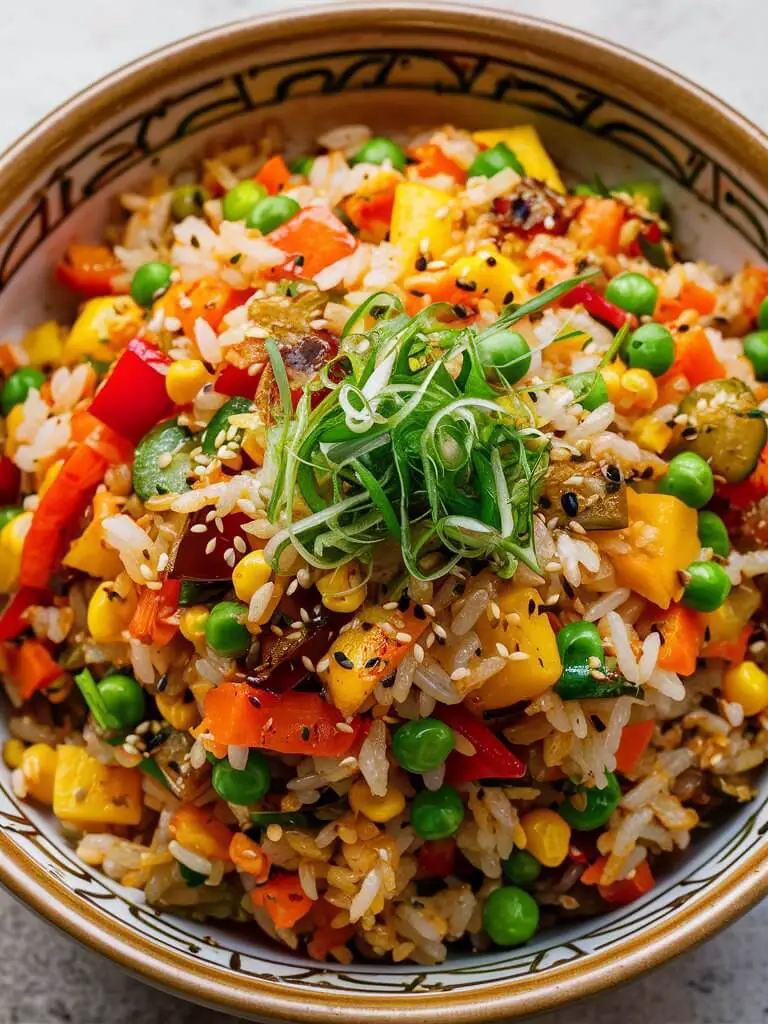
x: 314, y: 239
x: 10, y: 481
x: 31, y: 668
x: 431, y: 160
x: 292, y: 723
x: 597, y: 306
x: 12, y: 619
x: 283, y: 899
x: 149, y: 623
x: 437, y: 858
x: 491, y: 760
x: 274, y: 175
x: 133, y: 398
x: 634, y: 740
x: 193, y: 562
x: 58, y: 514
x: 324, y: 936
x: 236, y: 381
x: 89, y: 269
x: 629, y: 889
x: 755, y: 487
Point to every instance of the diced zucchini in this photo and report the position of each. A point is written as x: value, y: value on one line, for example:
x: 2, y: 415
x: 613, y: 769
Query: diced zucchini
x: 580, y: 492
x: 724, y: 427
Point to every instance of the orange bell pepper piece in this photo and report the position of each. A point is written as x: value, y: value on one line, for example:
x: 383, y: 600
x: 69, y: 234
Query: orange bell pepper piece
x: 694, y: 296
x: 600, y: 221
x: 197, y: 830
x: 431, y: 160
x: 634, y: 740
x: 324, y: 936
x: 750, y: 490
x: 629, y: 889
x: 248, y: 857
x: 209, y: 298
x: 31, y: 668
x: 313, y: 239
x: 372, y: 214
x: 149, y: 623
x: 729, y: 650
x: 695, y: 359
x: 274, y: 175
x: 683, y: 634
x: 593, y: 874
x: 283, y: 899
x: 89, y: 269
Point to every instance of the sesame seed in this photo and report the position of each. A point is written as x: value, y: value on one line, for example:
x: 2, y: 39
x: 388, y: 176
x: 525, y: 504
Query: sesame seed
x: 323, y: 665
x: 440, y: 631
x: 513, y: 618
x: 304, y: 576
x: 304, y: 615
x: 198, y: 528
x: 276, y: 631
x: 229, y: 557
x: 459, y: 673
x: 146, y: 572
x: 220, y: 439
x: 240, y: 545
x: 387, y: 629
x: 430, y: 640
x: 218, y: 522
x: 503, y: 650
x: 210, y: 546
x: 344, y: 727
x: 494, y: 612
x: 389, y: 606
x: 519, y: 656
x: 164, y: 460
x: 297, y: 624
x: 292, y: 587
x: 210, y: 515
x: 429, y: 610
x: 576, y: 527
x: 418, y: 653
x: 162, y: 562
x: 307, y: 663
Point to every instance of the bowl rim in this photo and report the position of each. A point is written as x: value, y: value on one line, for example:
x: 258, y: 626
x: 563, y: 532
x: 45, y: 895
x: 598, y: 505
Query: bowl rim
x: 733, y: 893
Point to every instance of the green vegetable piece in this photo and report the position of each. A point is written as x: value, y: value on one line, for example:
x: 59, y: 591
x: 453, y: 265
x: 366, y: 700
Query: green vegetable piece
x: 651, y: 347
x: 586, y: 495
x: 490, y: 161
x: 713, y: 533
x: 378, y: 150
x: 188, y: 201
x: 725, y: 427
x: 288, y: 819
x: 272, y: 211
x: 196, y: 592
x: 151, y: 767
x: 219, y: 425
x: 633, y: 292
x: 521, y: 868
x: 149, y: 282
x: 756, y: 351
x: 225, y: 629
x: 150, y: 478
x: 18, y: 386
x: 578, y: 642
x: 301, y: 165
x: 510, y: 916
x: 589, y: 389
x: 690, y: 479
x: 422, y: 745
x: 762, y: 315
x: 707, y: 588
x: 650, y: 190
x: 192, y: 878
x: 247, y: 786
x: 584, y: 190
x: 436, y: 814
x: 588, y: 807
x: 504, y: 354
x: 123, y: 698
x: 8, y: 514
x: 241, y: 199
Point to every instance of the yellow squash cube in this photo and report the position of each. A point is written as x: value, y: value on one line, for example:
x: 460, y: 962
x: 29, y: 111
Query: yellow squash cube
x: 494, y: 276
x: 524, y: 141
x: 85, y: 790
x: 421, y: 221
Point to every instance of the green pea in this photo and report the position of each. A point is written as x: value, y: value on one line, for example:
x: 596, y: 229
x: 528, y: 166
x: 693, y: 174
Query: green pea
x: 18, y: 386
x: 650, y: 190
x: 713, y: 533
x: 651, y: 347
x: 510, y: 916
x: 588, y: 807
x: 689, y: 478
x: 521, y: 868
x: 377, y: 150
x: 150, y: 281
x: 633, y: 292
x: 192, y: 878
x: 225, y: 629
x: 422, y: 745
x: 589, y: 388
x: 246, y: 786
x: 437, y: 814
x: 578, y: 642
x: 707, y: 588
x: 302, y: 165
x: 272, y: 211
x: 9, y: 513
x: 756, y: 351
x: 490, y: 161
x: 762, y: 315
x: 505, y: 354
x: 188, y: 201
x: 241, y: 199
x: 123, y: 698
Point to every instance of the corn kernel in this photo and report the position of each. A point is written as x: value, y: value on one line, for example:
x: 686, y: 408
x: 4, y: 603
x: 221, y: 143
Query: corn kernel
x: 180, y: 713
x: 548, y: 836
x: 192, y: 623
x: 184, y: 380
x: 250, y: 574
x: 13, y: 751
x: 111, y: 609
x: 12, y: 538
x: 639, y: 390
x: 343, y: 590
x: 612, y: 374
x: 651, y: 433
x: 44, y: 344
x: 13, y: 421
x: 376, y: 808
x: 747, y: 684
x: 38, y: 766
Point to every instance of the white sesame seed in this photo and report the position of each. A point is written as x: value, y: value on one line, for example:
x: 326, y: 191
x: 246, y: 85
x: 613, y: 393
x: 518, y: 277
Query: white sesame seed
x: 323, y: 665
x: 210, y: 515
x: 276, y: 630
x: 513, y: 618
x: 430, y: 611
x: 519, y: 656
x: 146, y: 572
x: 292, y: 587
x: 440, y: 631
x: 297, y: 624
x: 387, y: 629
x: 304, y: 576
x: 304, y: 615
x: 459, y: 673
x: 403, y: 638
x: 307, y: 663
x: 494, y: 610
x: 240, y: 545
x: 503, y: 650
x: 220, y: 438
x: 162, y: 562
x: 430, y: 640
x: 389, y: 606
x: 210, y: 546
x: 344, y: 727
x: 229, y: 557
x: 576, y: 527
x: 198, y: 528
x: 218, y: 522
x: 418, y: 653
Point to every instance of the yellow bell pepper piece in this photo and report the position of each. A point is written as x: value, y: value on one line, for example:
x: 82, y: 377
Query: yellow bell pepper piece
x: 38, y: 766
x: 525, y: 143
x: 525, y: 627
x: 12, y: 538
x: 726, y: 623
x: 104, y: 326
x: 652, y: 567
x: 85, y: 790
x: 44, y: 344
x: 88, y: 552
x: 494, y: 276
x: 419, y: 224
x: 651, y: 433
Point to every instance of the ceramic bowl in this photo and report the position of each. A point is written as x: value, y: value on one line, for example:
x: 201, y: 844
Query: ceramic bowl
x: 401, y: 64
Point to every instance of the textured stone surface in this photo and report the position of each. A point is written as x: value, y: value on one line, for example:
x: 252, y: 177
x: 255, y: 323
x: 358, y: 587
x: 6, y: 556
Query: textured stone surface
x: 48, y: 51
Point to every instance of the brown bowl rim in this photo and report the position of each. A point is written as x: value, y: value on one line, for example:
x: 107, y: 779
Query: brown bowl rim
x: 730, y: 896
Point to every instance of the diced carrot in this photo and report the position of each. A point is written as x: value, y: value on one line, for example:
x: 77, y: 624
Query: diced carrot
x: 197, y: 830
x: 371, y: 214
x: 634, y: 740
x: 629, y: 889
x: 31, y: 668
x: 695, y: 358
x: 754, y: 288
x: 150, y: 623
x: 730, y: 650
x: 667, y: 310
x: 8, y: 359
x: 683, y: 634
x: 313, y: 239
x: 248, y: 857
x: 594, y: 872
x: 431, y: 160
x: 283, y: 899
x: 671, y: 387
x: 599, y: 224
x: 694, y: 296
x: 274, y: 175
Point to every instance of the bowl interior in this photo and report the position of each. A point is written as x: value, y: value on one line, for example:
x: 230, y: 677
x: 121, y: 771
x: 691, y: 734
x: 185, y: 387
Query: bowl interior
x: 342, y: 71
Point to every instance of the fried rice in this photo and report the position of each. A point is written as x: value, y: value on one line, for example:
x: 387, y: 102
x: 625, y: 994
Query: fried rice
x: 384, y: 543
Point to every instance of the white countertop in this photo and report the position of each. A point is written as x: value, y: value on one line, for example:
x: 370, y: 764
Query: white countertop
x: 49, y: 50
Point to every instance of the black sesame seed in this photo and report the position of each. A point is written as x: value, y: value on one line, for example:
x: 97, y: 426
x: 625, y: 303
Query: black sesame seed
x: 389, y: 681
x: 509, y: 297
x: 570, y: 503
x: 491, y: 261
x: 299, y: 261
x: 545, y: 502
x: 419, y: 612
x: 404, y: 603
x: 462, y: 312
x: 342, y: 659
x: 466, y: 286
x: 541, y: 284
x: 613, y: 473
x: 372, y: 662
x: 417, y: 294
x: 531, y: 606
x: 254, y: 700
x: 306, y: 732
x: 162, y: 682
x: 421, y: 263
